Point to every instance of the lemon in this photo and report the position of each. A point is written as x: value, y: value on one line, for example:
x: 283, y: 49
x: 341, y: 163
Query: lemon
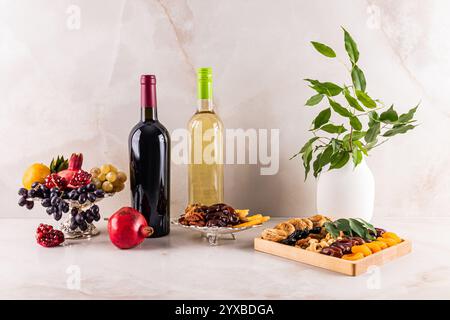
x: 37, y: 172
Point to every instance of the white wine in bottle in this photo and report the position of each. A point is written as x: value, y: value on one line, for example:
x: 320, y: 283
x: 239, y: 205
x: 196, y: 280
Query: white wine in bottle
x: 205, y: 169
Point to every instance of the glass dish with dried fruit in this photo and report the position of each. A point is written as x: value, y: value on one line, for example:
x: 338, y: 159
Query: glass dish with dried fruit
x: 217, y: 220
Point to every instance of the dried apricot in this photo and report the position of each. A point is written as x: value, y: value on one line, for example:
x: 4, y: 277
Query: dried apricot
x: 381, y: 244
x: 353, y: 256
x: 364, y: 249
x: 390, y: 242
x: 391, y: 235
x: 374, y: 247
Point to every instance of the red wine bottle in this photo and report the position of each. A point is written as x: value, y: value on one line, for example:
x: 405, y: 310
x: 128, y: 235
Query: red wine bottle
x: 149, y: 147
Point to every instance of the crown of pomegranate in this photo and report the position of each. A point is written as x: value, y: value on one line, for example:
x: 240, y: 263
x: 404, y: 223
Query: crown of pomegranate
x: 73, y: 177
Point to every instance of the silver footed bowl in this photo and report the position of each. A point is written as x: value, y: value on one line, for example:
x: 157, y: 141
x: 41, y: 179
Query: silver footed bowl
x: 77, y: 233
x: 213, y: 234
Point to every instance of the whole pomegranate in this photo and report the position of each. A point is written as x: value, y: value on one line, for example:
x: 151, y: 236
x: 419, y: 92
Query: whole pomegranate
x: 127, y: 228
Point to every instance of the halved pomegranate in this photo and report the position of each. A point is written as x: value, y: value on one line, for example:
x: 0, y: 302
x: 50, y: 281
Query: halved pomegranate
x: 73, y: 177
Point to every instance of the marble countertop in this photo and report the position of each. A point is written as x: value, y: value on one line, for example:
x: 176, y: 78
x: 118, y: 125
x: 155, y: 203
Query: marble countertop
x: 184, y: 266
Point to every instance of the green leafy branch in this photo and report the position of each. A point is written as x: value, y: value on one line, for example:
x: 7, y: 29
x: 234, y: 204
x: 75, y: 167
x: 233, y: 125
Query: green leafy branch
x: 351, y: 227
x: 333, y: 144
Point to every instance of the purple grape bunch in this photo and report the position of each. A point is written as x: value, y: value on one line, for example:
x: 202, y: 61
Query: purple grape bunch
x: 57, y: 202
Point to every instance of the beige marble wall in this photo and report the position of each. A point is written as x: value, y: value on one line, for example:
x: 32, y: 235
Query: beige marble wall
x: 65, y: 89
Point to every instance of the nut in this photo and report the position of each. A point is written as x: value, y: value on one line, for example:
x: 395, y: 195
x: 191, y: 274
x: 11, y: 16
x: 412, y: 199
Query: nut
x: 314, y: 247
x: 303, y: 243
x: 324, y: 244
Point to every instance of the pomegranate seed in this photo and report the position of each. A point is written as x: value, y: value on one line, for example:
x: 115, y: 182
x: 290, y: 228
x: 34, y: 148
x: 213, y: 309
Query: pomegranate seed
x: 46, y: 236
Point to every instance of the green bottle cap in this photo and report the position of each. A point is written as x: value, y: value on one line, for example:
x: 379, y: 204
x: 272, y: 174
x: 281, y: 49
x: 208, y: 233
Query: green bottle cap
x: 204, y: 83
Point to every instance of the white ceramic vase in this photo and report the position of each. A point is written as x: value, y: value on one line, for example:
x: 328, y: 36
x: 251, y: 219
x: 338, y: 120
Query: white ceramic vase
x: 347, y: 192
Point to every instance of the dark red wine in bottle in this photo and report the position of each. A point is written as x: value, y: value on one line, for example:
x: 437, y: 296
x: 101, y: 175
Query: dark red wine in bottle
x: 149, y: 147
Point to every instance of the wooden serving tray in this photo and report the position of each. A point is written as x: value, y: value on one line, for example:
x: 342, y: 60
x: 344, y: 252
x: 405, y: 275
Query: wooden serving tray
x: 351, y: 268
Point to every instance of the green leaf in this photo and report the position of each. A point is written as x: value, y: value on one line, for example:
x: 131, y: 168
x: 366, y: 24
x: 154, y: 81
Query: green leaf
x: 326, y: 156
x: 371, y: 145
x: 350, y: 227
x: 363, y: 228
x: 340, y: 159
x: 356, y: 135
x: 343, y: 225
x: 358, y: 78
x: 314, y: 100
x: 360, y: 147
x: 306, y: 152
x: 331, y: 128
x: 352, y: 101
x: 357, y: 156
x: 398, y: 130
x: 307, y: 157
x: 372, y: 133
x: 351, y: 47
x: 316, y: 165
x: 322, y: 118
x: 346, y: 145
x: 328, y: 88
x: 340, y: 109
x: 335, y: 144
x: 396, y: 125
x: 365, y: 99
x: 324, y: 49
x: 309, y: 143
x: 312, y: 81
x: 331, y: 229
x: 373, y: 118
x: 355, y: 123
x: 367, y: 225
x: 331, y: 88
x: 358, y: 228
x: 406, y: 117
x: 322, y: 160
x: 305, y: 146
x: 389, y: 116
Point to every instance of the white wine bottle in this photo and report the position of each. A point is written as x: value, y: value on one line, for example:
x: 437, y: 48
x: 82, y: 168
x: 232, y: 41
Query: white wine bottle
x: 205, y: 169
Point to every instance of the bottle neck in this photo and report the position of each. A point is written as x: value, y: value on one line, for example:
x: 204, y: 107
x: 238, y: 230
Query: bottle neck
x: 149, y: 114
x: 148, y: 98
x: 205, y: 105
x: 204, y: 90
